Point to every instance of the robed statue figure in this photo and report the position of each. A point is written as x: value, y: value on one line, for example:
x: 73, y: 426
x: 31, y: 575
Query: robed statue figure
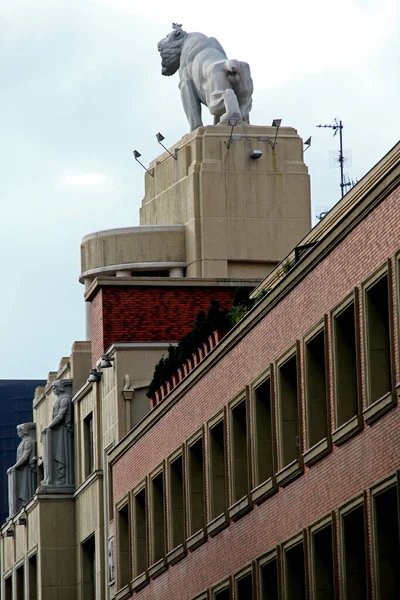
x: 22, y: 475
x: 58, y: 439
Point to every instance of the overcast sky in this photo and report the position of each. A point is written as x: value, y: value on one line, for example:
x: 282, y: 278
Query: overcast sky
x: 81, y: 87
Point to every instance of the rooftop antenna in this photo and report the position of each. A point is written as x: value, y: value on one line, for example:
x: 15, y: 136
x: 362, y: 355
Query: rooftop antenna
x: 338, y: 127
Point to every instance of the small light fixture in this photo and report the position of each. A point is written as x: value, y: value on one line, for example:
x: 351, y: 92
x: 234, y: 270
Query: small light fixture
x: 22, y: 521
x: 232, y: 123
x: 307, y: 144
x: 276, y: 123
x: 160, y: 138
x: 94, y: 376
x: 137, y: 154
x: 255, y: 154
x: 10, y: 532
x: 106, y: 362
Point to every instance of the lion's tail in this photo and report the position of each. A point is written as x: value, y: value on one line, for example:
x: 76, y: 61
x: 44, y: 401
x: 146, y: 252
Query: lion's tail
x: 233, y: 69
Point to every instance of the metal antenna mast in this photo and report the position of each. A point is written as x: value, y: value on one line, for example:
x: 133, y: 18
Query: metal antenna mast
x: 339, y: 127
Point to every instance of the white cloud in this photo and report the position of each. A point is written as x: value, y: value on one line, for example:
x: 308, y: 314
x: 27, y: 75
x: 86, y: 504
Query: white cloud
x: 85, y: 179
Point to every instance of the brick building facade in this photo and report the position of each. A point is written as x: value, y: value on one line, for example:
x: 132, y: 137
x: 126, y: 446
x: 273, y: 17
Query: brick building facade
x: 272, y: 468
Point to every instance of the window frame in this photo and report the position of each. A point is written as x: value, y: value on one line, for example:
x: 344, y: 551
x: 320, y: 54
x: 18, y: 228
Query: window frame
x: 374, y: 410
x: 344, y: 510
x: 314, y: 528
x: 219, y: 522
x: 293, y: 469
x: 261, y: 491
x: 249, y: 569
x: 265, y: 559
x: 382, y: 486
x: 239, y: 506
x: 195, y: 538
x: 225, y: 584
x: 156, y: 567
x: 122, y: 503
x: 341, y: 433
x: 299, y: 538
x: 176, y: 553
x: 140, y: 579
x: 315, y: 452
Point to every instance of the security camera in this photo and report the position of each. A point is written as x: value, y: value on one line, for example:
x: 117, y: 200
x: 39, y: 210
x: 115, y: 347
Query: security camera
x: 255, y: 154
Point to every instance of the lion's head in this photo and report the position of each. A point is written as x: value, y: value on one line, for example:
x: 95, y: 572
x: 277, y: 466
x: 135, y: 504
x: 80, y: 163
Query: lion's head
x: 170, y: 49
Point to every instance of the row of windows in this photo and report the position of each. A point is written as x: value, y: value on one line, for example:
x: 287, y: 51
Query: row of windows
x: 264, y: 429
x: 22, y: 586
x: 332, y: 554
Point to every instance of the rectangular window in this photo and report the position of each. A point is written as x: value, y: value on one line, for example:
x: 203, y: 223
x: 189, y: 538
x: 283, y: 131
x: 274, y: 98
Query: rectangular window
x: 8, y: 589
x: 223, y: 593
x: 217, y: 469
x: 176, y: 502
x: 140, y: 532
x: 354, y: 555
x: 288, y: 410
x: 239, y: 459
x: 263, y: 432
x: 157, y: 518
x: 20, y: 581
x: 386, y: 546
x: 315, y: 389
x: 345, y: 364
x: 244, y: 587
x: 196, y: 507
x: 295, y: 573
x: 88, y: 444
x: 110, y: 492
x: 89, y: 569
x: 124, y: 547
x: 32, y: 575
x: 377, y: 333
x: 269, y: 581
x: 322, y: 561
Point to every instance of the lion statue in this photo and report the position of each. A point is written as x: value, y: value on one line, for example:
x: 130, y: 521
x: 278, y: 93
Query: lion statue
x: 206, y: 77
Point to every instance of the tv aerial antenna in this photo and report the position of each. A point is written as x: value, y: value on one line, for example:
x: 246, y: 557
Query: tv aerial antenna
x: 338, y: 127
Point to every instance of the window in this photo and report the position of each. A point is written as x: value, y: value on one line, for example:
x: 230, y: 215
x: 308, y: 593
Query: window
x: 386, y: 549
x: 157, y: 518
x: 88, y: 444
x: 239, y: 458
x: 8, y: 588
x: 222, y: 592
x: 377, y: 339
x: 20, y: 581
x: 110, y: 492
x: 354, y: 555
x: 140, y: 532
x: 124, y: 548
x: 176, y: 502
x: 322, y: 562
x: 89, y: 569
x: 315, y: 379
x: 263, y: 432
x: 196, y: 506
x: 32, y: 576
x: 269, y: 580
x: 244, y: 586
x: 288, y: 411
x: 345, y: 359
x: 217, y: 464
x: 295, y: 573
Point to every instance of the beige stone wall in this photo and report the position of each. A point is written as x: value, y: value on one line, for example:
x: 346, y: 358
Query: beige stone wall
x: 242, y: 216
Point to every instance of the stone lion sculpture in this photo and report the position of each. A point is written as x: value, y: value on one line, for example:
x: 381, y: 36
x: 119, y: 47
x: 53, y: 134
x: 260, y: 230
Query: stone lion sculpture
x: 206, y: 77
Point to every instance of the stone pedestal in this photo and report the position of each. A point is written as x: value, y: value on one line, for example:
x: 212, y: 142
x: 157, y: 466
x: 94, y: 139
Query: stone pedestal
x: 242, y: 215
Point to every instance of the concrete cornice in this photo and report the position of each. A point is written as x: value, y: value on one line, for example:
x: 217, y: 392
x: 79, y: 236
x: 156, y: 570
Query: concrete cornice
x: 382, y: 180
x: 93, y: 477
x: 100, y: 282
x: 142, y: 266
x: 136, y: 229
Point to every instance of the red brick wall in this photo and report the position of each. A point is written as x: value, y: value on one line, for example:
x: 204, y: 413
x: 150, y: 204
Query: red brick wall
x: 349, y: 469
x: 149, y: 314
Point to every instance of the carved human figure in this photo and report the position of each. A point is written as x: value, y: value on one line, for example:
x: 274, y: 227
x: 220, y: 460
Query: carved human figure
x: 22, y: 475
x: 58, y: 438
x: 205, y: 75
